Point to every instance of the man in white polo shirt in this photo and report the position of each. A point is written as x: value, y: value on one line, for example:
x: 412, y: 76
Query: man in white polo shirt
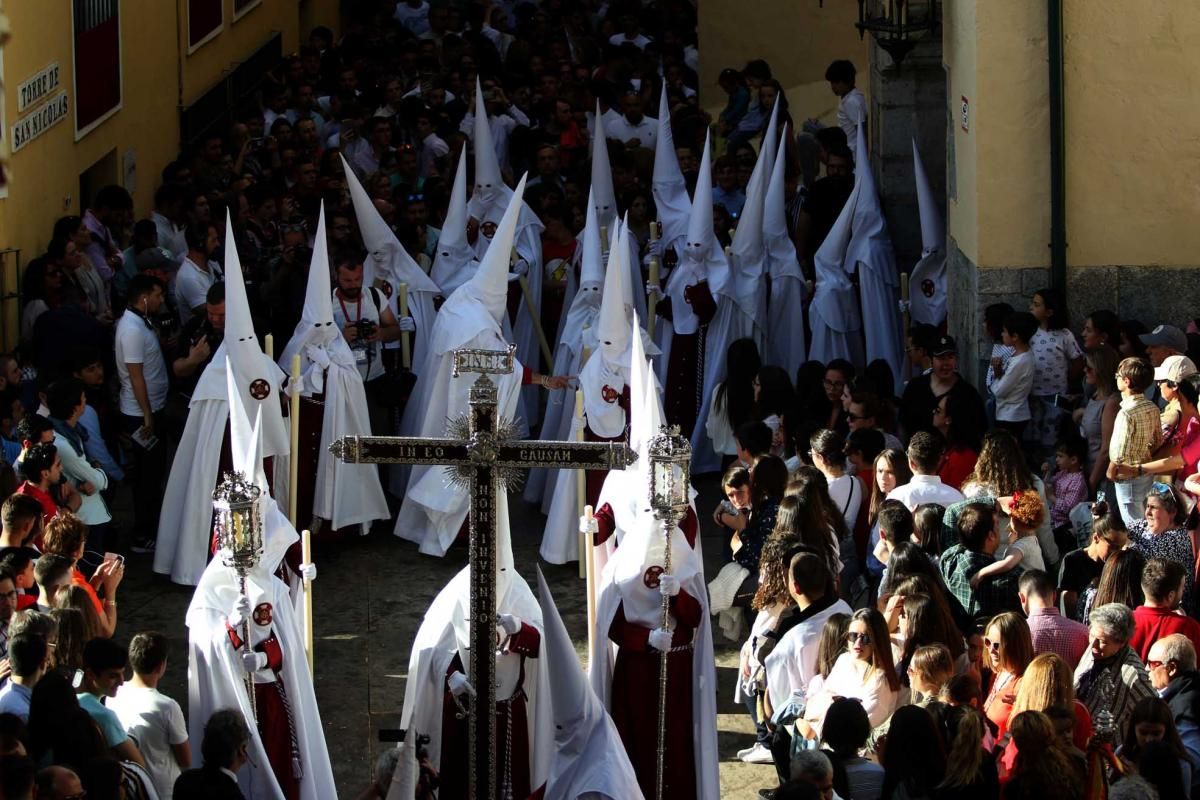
x: 633, y: 128
x: 925, y: 451
x: 144, y: 384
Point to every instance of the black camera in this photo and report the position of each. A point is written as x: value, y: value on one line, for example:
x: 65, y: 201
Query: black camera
x: 366, y: 328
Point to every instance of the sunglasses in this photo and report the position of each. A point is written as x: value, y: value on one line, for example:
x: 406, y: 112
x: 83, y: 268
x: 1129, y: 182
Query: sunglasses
x: 993, y: 646
x: 865, y: 638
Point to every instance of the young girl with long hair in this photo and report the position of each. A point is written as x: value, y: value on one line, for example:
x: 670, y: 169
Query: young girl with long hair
x: 864, y: 671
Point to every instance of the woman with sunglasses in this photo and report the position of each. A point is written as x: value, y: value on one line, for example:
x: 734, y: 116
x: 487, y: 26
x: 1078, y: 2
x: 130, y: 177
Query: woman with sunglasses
x: 865, y: 671
x: 1161, y: 534
x: 1007, y: 649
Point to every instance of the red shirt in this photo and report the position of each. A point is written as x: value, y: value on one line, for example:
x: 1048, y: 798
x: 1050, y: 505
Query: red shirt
x: 1152, y: 624
x: 957, y: 464
x: 49, y: 507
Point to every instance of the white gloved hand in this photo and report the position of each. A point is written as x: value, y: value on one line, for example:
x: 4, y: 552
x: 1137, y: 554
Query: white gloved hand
x: 459, y: 685
x: 655, y: 248
x: 660, y: 639
x: 509, y: 623
x: 521, y: 267
x: 253, y: 662
x: 668, y: 585
x: 407, y: 324
x: 653, y: 289
x: 308, y: 572
x: 589, y: 525
x: 904, y: 306
x: 240, y: 612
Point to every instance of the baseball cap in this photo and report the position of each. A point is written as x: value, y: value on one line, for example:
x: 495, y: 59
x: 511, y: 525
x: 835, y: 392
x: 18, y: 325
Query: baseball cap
x: 1167, y: 336
x: 1175, y: 369
x: 943, y: 346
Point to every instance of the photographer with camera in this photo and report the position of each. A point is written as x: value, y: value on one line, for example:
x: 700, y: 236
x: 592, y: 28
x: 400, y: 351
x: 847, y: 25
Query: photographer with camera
x: 366, y: 322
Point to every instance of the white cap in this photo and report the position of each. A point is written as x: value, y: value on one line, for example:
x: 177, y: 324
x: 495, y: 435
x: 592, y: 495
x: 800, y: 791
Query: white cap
x: 1175, y: 369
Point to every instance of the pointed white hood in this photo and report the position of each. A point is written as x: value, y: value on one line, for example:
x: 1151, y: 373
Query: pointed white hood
x: 927, y: 281
x: 668, y: 186
x: 870, y: 244
x: 780, y: 249
x: 386, y: 257
x: 586, y: 302
x: 489, y: 183
x: 591, y: 272
x: 613, y: 326
x: 455, y: 262
x: 772, y: 141
x: 241, y: 342
x: 481, y: 301
x: 589, y: 758
x: 316, y: 328
x: 702, y: 250
x: 933, y: 227
x: 603, y: 197
x: 245, y: 438
x: 748, y: 255
x: 834, y: 296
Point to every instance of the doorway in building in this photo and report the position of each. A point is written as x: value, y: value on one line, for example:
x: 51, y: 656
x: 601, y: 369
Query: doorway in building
x: 97, y: 176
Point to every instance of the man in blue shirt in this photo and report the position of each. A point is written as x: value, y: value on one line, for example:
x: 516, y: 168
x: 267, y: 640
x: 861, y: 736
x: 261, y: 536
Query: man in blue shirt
x: 27, y: 657
x: 104, y: 663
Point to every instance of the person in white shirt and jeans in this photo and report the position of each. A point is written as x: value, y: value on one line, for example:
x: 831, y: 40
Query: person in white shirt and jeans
x: 142, y: 371
x: 925, y: 451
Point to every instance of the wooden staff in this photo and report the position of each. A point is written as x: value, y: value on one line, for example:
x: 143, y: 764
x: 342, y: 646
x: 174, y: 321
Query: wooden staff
x: 294, y: 462
x: 405, y: 344
x: 590, y: 556
x: 668, y: 528
x: 306, y: 546
x: 537, y: 322
x: 269, y: 346
x: 581, y: 483
x: 652, y: 302
x: 604, y: 244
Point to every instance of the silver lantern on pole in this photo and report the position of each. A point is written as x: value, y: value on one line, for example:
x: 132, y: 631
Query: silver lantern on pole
x: 238, y: 529
x: 670, y: 456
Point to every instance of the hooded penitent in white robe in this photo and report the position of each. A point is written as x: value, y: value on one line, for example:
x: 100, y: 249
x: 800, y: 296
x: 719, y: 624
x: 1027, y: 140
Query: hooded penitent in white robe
x: 604, y: 195
x: 388, y: 265
x: 216, y: 675
x: 489, y: 202
x: 625, y: 599
x: 834, y: 313
x: 603, y: 379
x: 434, y: 509
x: 927, y: 281
x: 581, y: 314
x: 445, y: 633
x: 185, y: 525
x: 344, y: 494
x: 870, y: 254
x: 674, y: 208
x: 785, y: 333
x: 741, y: 305
x: 455, y: 262
x: 589, y: 758
x: 703, y: 269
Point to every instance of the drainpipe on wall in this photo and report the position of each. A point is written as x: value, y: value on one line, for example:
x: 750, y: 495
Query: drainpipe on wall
x: 1058, y: 166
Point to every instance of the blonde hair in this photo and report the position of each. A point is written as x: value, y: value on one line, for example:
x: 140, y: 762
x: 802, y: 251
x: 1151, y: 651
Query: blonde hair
x: 1016, y: 643
x: 1047, y: 682
x: 966, y: 753
x: 933, y: 664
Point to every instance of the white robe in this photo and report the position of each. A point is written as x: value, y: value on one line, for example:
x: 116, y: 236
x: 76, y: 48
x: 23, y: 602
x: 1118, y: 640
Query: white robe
x: 927, y: 289
x: 185, y: 525
x: 443, y: 634
x: 345, y: 494
x: 216, y: 678
x: 617, y: 588
x: 730, y: 323
x: 420, y: 303
x: 785, y: 334
x: 434, y: 508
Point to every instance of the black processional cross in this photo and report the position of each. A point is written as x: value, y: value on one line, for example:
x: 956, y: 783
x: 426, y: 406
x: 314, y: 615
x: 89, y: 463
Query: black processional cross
x: 486, y: 458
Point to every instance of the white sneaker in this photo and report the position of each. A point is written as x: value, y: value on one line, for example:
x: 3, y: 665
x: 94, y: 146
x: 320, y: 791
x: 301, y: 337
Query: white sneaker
x: 758, y: 754
x: 741, y: 754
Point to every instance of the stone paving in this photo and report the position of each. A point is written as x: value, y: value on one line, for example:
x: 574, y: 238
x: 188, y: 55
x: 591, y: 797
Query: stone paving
x: 369, y: 597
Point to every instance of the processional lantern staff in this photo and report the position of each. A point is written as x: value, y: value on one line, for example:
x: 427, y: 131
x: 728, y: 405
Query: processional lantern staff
x: 485, y: 458
x: 239, y: 532
x: 670, y: 457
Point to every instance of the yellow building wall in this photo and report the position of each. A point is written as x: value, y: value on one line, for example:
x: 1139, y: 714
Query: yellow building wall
x: 1131, y: 121
x: 44, y: 175
x: 798, y: 40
